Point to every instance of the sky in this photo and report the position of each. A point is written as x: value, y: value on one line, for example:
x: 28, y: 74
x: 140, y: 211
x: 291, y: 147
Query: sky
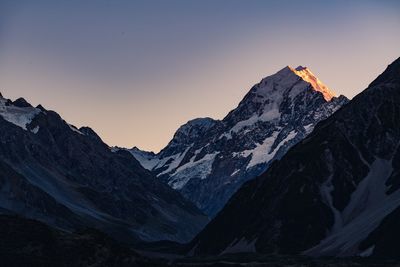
x: 134, y: 71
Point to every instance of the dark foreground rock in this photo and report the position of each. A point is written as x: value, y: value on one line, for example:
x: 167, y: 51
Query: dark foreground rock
x: 31, y: 243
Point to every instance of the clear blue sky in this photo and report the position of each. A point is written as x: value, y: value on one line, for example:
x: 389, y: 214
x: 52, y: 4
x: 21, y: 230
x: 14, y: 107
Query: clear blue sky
x: 136, y: 70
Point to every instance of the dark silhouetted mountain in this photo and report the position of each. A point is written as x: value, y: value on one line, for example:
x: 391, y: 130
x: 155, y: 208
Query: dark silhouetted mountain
x: 208, y: 160
x: 68, y: 178
x: 336, y: 193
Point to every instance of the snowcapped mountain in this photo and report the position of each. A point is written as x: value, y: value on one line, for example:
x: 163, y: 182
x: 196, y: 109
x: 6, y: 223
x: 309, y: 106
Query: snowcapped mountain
x: 208, y: 160
x: 68, y: 178
x: 336, y: 193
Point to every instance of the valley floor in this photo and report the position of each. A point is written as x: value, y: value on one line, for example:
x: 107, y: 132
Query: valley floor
x: 27, y: 242
x: 282, y: 261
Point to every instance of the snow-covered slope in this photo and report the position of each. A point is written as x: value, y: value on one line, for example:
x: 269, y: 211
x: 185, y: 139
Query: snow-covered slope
x: 306, y: 74
x: 336, y: 193
x: 146, y: 159
x: 19, y: 113
x: 208, y: 160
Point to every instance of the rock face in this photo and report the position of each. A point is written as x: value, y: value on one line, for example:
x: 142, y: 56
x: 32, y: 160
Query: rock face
x: 336, y: 193
x: 68, y: 178
x: 208, y: 160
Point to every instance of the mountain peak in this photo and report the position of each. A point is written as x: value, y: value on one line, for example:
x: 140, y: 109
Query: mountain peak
x: 192, y: 130
x: 390, y: 75
x: 200, y: 124
x: 300, y: 68
x: 306, y: 74
x: 22, y: 103
x: 290, y: 75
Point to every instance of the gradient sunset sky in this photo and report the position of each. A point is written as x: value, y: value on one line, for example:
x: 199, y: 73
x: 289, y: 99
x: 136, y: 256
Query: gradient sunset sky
x: 135, y: 71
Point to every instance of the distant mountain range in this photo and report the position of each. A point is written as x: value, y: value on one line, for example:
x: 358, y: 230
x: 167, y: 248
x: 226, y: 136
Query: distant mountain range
x: 69, y: 179
x: 293, y: 170
x: 336, y: 193
x: 208, y: 160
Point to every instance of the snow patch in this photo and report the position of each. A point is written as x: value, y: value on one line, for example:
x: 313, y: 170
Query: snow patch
x: 146, y: 159
x: 193, y: 169
x: 269, y: 115
x: 177, y: 158
x: 262, y: 153
x: 20, y: 116
x: 316, y: 84
x: 309, y: 128
x: 35, y: 130
x: 235, y: 172
x: 74, y: 129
